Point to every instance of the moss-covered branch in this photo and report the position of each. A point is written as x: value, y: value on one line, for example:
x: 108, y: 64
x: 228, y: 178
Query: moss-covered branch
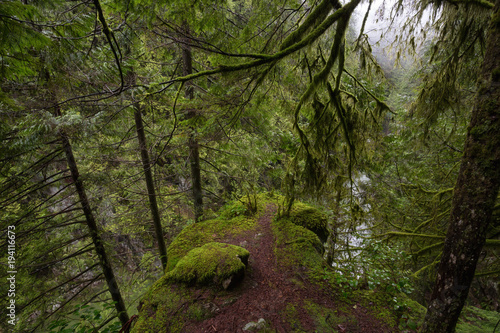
x: 317, y: 16
x: 497, y: 272
x: 310, y: 38
x: 409, y: 234
x: 379, y: 102
x: 481, y: 3
x: 428, y: 248
x: 492, y: 243
x: 427, y: 222
x: 432, y: 264
x: 489, y: 242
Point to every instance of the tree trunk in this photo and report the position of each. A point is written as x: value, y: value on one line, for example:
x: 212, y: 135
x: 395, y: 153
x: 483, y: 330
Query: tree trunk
x: 474, y: 197
x: 146, y: 165
x: 194, y: 155
x: 94, y: 232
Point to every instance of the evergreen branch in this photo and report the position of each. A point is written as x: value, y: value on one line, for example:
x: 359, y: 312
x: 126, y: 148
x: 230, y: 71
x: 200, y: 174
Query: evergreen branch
x: 61, y: 225
x: 10, y: 183
x: 34, y: 188
x: 69, y: 300
x: 95, y: 296
x: 47, y: 218
x: 58, y: 286
x: 211, y: 48
x: 41, y: 204
x: 43, y: 265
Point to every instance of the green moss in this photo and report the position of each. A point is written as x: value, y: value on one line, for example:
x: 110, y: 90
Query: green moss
x: 233, y: 220
x: 379, y: 304
x: 475, y: 320
x: 212, y: 262
x: 292, y: 318
x: 261, y: 200
x: 325, y: 319
x: 198, y: 234
x: 396, y: 311
x: 296, y: 245
x: 161, y: 306
x: 311, y: 218
x: 233, y: 209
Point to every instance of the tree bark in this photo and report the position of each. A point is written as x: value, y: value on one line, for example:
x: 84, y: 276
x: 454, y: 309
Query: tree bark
x: 474, y: 197
x: 104, y: 262
x: 94, y: 232
x: 146, y: 165
x: 194, y: 155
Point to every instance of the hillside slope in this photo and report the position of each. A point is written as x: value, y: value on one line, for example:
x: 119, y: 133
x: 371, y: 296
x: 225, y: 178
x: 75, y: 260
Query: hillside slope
x: 286, y: 286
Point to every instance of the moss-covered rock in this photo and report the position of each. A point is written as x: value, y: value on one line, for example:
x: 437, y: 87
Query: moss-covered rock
x: 160, y: 308
x: 310, y: 218
x: 296, y: 245
x: 211, y: 263
x: 195, y: 235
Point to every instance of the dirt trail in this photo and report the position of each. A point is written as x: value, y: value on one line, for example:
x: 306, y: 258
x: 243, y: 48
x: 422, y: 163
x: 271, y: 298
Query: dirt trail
x: 266, y: 291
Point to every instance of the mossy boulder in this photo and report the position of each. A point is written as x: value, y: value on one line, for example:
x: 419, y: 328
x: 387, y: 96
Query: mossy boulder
x: 198, y: 234
x: 297, y: 244
x: 310, y: 218
x: 160, y: 308
x: 218, y: 263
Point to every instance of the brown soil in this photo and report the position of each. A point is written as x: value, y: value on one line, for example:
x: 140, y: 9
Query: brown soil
x: 267, y: 289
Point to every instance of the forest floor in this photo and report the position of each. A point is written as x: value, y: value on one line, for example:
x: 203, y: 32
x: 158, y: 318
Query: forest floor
x: 268, y: 290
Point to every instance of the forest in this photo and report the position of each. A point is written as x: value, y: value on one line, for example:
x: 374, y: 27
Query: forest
x: 137, y: 135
